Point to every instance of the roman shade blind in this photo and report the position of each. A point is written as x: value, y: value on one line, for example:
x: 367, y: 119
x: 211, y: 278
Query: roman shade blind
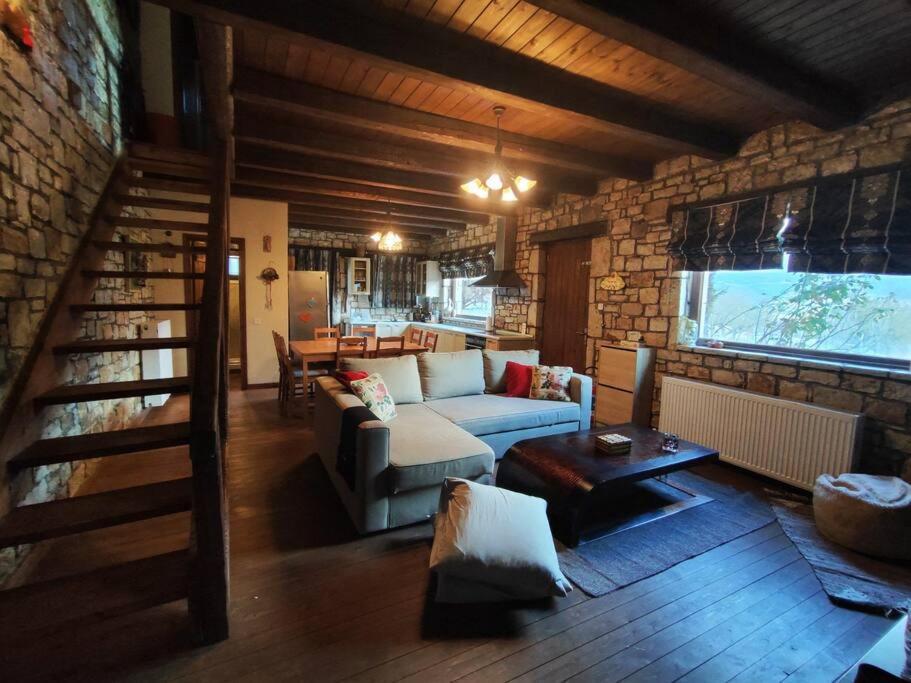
x: 471, y: 262
x: 853, y: 223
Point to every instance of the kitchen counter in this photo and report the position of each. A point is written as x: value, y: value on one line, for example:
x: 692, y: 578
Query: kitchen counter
x: 496, y: 335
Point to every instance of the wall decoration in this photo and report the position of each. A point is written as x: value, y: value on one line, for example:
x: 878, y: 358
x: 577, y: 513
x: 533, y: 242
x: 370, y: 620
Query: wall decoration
x: 612, y: 283
x: 15, y: 21
x: 267, y: 243
x: 268, y: 276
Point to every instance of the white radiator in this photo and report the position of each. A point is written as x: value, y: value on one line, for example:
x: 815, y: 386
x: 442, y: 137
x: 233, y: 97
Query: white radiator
x: 789, y: 441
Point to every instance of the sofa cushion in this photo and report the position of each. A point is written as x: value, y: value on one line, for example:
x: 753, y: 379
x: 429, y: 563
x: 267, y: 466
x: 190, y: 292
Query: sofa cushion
x: 451, y: 374
x: 400, y: 375
x: 491, y: 414
x: 425, y: 448
x: 495, y: 366
x: 375, y: 395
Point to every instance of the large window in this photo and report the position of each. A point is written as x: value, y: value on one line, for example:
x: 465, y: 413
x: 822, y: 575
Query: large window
x: 464, y: 300
x: 855, y: 318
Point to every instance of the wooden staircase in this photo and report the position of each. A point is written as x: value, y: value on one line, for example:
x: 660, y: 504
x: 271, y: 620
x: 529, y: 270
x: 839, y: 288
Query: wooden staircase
x: 199, y: 572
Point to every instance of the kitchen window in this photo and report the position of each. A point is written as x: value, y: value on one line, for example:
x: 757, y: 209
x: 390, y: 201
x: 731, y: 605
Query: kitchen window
x: 860, y: 319
x: 461, y: 300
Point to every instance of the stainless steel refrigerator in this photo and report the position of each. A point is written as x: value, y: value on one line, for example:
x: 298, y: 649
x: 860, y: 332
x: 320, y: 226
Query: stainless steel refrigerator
x: 308, y: 302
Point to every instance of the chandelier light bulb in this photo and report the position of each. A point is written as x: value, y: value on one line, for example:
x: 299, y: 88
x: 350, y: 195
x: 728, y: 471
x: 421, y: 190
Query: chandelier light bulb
x: 476, y: 187
x: 524, y: 184
x: 376, y: 237
x: 494, y: 182
x: 508, y: 195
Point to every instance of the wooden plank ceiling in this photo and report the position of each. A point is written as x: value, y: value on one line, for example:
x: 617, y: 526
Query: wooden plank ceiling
x: 362, y: 112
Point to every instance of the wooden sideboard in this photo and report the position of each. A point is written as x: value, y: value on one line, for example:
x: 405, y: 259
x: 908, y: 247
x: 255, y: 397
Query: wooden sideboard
x: 625, y: 378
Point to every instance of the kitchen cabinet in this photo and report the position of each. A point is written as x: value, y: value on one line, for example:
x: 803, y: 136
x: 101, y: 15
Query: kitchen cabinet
x: 358, y: 276
x: 428, y: 280
x: 391, y: 329
x: 507, y: 344
x: 446, y: 341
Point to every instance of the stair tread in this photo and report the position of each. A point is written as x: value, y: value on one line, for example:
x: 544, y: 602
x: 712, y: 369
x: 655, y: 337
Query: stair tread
x: 162, y: 203
x: 144, y: 150
x: 173, y: 169
x: 99, y: 594
x: 103, y: 391
x: 142, y: 344
x: 33, y: 523
x: 148, y: 247
x: 181, y: 306
x: 100, y: 444
x: 158, y: 224
x: 168, y: 185
x: 142, y: 274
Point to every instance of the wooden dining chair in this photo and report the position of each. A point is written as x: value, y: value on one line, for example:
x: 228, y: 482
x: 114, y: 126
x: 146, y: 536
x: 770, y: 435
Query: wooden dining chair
x: 417, y: 336
x: 290, y: 379
x: 363, y: 331
x: 389, y: 346
x: 350, y: 347
x: 430, y: 341
x: 325, y: 332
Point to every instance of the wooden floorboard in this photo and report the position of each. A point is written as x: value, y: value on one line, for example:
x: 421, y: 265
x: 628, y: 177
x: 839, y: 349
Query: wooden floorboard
x: 312, y: 601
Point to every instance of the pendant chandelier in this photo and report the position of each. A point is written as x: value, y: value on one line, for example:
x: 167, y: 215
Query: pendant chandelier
x: 501, y: 182
x: 388, y: 241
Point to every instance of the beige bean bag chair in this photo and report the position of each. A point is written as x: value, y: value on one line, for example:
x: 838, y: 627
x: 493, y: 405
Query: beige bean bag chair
x: 867, y: 513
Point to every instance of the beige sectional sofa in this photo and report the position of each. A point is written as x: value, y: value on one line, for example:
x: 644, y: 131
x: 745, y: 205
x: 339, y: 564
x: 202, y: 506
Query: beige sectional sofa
x: 449, y: 423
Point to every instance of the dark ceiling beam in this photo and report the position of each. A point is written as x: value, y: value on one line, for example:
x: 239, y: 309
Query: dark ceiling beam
x: 314, y: 212
x: 260, y: 88
x: 397, y: 153
x: 283, y: 181
x: 272, y: 159
x: 353, y: 231
x: 362, y: 29
x: 695, y: 44
x: 380, y: 206
x: 324, y: 223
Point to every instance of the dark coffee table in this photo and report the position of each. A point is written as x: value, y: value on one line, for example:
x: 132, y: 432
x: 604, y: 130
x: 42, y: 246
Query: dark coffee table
x: 580, y: 483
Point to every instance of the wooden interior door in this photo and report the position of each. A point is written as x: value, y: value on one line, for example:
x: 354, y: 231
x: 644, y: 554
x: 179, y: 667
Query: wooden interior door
x: 566, y: 303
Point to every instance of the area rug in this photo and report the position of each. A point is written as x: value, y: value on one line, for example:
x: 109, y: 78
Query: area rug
x: 848, y: 578
x: 604, y: 565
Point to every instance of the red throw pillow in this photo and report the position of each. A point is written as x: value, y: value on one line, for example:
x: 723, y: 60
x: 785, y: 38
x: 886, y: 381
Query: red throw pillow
x: 518, y: 379
x: 347, y: 377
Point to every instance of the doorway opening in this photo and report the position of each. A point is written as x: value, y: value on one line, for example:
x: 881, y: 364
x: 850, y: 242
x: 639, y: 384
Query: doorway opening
x: 195, y: 262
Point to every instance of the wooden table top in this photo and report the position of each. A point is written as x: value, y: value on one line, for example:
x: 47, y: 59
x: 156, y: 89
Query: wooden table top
x: 573, y: 459
x: 327, y: 346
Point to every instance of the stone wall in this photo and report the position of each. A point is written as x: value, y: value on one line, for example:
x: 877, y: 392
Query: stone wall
x: 60, y: 134
x: 343, y: 240
x: 634, y: 246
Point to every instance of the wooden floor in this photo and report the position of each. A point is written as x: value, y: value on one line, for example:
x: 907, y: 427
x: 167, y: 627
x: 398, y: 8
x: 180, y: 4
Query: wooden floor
x: 312, y: 602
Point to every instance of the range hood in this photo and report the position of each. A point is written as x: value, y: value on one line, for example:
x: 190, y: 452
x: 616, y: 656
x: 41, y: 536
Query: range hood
x: 504, y: 258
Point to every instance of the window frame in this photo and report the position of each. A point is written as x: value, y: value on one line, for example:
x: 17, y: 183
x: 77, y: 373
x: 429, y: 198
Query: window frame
x: 692, y: 308
x: 459, y: 315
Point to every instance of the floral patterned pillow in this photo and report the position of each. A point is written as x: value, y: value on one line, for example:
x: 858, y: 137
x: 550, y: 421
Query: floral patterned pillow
x: 550, y: 383
x: 373, y: 392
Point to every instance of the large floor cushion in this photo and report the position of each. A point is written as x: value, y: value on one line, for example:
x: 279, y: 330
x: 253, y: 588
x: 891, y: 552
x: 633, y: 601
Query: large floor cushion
x: 490, y: 414
x: 493, y: 544
x: 867, y: 513
x: 425, y: 448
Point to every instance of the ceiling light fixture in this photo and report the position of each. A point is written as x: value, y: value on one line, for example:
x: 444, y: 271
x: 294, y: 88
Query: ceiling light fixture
x: 501, y: 183
x: 388, y: 241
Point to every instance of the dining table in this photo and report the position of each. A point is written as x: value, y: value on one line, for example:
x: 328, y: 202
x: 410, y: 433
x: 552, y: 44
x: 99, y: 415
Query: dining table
x: 325, y: 350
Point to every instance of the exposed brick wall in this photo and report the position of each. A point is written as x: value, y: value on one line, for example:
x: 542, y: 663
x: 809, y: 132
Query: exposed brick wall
x: 343, y: 240
x: 634, y: 247
x: 59, y: 136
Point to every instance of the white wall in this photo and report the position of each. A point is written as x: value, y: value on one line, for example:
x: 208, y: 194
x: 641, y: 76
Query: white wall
x: 251, y: 219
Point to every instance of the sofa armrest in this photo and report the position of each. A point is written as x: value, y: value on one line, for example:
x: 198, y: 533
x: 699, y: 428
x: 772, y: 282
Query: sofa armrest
x: 368, y: 504
x: 580, y: 391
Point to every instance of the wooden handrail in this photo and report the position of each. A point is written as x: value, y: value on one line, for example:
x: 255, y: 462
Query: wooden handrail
x: 209, y: 547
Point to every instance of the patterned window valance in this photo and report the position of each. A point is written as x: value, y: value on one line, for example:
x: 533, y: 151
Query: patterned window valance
x: 472, y: 262
x: 853, y: 223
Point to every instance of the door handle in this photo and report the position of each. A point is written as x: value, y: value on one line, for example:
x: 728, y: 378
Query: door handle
x: 583, y: 333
